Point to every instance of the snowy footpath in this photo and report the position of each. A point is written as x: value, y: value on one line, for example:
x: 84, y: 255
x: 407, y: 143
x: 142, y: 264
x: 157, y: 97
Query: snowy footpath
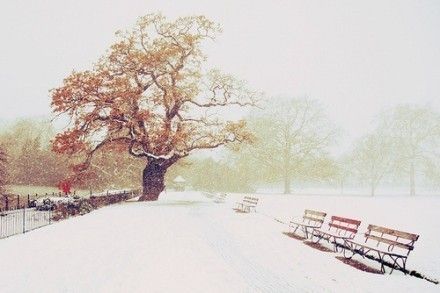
x: 188, y: 243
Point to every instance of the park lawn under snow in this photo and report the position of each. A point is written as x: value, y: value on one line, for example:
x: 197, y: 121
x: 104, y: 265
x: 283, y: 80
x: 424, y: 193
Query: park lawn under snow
x: 187, y: 243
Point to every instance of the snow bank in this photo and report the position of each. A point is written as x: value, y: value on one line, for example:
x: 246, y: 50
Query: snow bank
x: 55, y: 199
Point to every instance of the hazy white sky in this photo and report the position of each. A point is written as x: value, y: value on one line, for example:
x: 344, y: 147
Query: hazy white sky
x: 356, y: 57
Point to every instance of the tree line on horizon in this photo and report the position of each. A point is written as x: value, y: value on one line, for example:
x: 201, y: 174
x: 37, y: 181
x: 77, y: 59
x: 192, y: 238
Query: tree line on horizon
x: 291, y: 145
x: 293, y: 138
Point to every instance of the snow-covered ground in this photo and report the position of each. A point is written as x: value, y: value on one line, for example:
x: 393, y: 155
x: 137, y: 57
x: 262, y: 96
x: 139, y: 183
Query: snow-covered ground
x: 187, y: 243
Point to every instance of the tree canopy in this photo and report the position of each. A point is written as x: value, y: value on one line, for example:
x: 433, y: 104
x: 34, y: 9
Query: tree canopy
x: 151, y: 96
x: 292, y: 140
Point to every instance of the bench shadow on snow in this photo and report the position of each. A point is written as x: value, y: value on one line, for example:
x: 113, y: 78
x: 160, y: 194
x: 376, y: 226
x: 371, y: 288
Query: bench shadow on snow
x: 359, y: 265
x: 240, y: 211
x: 351, y: 262
x: 317, y: 246
x: 294, y: 236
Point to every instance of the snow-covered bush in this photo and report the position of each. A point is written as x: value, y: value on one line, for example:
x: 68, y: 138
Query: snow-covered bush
x: 70, y: 206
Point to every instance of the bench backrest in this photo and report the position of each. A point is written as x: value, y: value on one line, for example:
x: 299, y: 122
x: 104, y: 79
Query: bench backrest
x: 251, y: 201
x: 208, y: 194
x: 391, y: 238
x: 344, y: 226
x: 314, y: 217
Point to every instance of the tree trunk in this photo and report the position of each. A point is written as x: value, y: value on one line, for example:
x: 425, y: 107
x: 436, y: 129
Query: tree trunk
x: 153, y: 180
x: 287, y: 180
x: 412, y: 180
x: 287, y: 174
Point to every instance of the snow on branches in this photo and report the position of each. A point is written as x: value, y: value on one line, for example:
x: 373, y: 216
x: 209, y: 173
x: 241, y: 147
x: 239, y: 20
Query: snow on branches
x: 150, y: 96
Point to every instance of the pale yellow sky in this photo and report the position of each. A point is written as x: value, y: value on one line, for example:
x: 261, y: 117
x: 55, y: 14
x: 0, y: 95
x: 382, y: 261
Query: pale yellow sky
x: 356, y: 57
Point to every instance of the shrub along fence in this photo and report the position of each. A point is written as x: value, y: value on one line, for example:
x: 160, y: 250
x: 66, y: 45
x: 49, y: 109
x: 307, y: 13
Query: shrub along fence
x: 20, y: 217
x: 81, y: 206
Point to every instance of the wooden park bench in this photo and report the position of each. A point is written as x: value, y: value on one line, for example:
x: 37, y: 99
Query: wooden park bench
x: 220, y: 197
x: 310, y: 220
x: 394, y: 244
x: 208, y: 194
x: 248, y: 204
x: 339, y: 229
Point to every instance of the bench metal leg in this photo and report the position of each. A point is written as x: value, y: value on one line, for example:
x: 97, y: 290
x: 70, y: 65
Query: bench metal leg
x: 396, y: 265
x: 404, y: 265
x: 382, y: 264
x: 348, y: 247
x: 318, y: 236
x: 336, y: 244
x: 306, y: 232
x: 294, y: 228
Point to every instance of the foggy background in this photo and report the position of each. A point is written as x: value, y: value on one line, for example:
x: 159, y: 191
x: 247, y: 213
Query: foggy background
x: 356, y: 58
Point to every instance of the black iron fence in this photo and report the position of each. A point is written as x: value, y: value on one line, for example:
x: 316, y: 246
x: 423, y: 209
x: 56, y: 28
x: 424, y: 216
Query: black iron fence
x: 22, y: 220
x: 20, y: 215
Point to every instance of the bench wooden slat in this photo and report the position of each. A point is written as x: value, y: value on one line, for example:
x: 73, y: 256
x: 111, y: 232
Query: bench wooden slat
x: 247, y: 203
x: 340, y: 227
x: 378, y: 249
x: 250, y: 202
x: 387, y: 248
x: 313, y: 219
x: 250, y: 197
x: 316, y: 213
x: 390, y: 242
x: 339, y: 224
x: 346, y: 220
x: 305, y: 225
x: 393, y: 232
x: 335, y: 235
x: 310, y: 220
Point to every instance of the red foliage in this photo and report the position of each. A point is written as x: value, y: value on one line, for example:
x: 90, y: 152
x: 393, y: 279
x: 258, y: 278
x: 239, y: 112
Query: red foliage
x: 65, y: 186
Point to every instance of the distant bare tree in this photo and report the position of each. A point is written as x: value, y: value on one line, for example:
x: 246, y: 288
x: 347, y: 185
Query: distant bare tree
x: 30, y: 159
x: 432, y: 171
x: 372, y: 159
x: 292, y: 139
x: 212, y: 175
x: 415, y: 132
x: 342, y: 170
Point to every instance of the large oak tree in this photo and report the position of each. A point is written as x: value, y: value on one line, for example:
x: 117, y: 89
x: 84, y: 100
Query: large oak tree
x: 150, y: 95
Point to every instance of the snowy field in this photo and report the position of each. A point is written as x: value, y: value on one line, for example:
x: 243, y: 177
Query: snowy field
x: 187, y: 243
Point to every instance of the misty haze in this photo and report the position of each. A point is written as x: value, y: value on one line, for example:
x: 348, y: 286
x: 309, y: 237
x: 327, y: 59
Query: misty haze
x: 233, y: 146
